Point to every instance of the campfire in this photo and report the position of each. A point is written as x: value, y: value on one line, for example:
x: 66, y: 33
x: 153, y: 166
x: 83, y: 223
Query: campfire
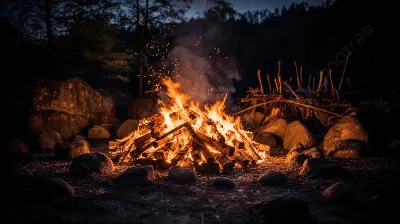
x: 186, y: 135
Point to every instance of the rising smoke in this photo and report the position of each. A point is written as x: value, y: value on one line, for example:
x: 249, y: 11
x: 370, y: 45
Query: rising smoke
x: 202, y: 60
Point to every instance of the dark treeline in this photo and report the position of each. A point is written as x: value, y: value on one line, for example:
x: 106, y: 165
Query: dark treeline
x: 53, y: 40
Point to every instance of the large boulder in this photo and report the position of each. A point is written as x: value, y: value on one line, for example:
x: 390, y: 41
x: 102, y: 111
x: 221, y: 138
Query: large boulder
x: 275, y: 126
x: 347, y: 128
x: 127, y: 128
x: 296, y: 133
x: 98, y: 132
x: 68, y: 107
x: 87, y: 164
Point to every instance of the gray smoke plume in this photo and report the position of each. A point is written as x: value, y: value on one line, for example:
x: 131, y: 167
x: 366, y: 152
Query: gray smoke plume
x: 203, y: 60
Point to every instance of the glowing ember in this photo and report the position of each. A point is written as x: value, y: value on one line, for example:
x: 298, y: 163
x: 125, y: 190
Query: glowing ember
x: 183, y: 133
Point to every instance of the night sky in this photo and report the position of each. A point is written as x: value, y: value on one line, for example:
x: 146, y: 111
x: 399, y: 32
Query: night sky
x: 245, y: 5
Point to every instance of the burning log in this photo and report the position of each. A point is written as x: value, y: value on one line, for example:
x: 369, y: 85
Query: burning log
x: 226, y: 164
x: 223, y: 148
x: 242, y: 158
x: 238, y: 145
x: 159, y: 155
x: 162, y: 164
x: 136, y: 143
x: 157, y: 125
x: 181, y: 155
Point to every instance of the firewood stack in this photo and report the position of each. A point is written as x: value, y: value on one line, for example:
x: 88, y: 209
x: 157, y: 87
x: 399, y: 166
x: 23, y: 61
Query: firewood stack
x: 186, y: 146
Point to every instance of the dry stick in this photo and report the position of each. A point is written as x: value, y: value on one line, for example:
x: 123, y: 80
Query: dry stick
x: 297, y: 75
x: 301, y: 77
x: 313, y: 84
x: 344, y: 70
x: 348, y: 81
x: 269, y: 84
x: 292, y: 102
x: 308, y: 84
x: 320, y: 81
x: 260, y: 81
x: 279, y: 78
x: 276, y: 85
x: 291, y: 90
x: 252, y: 149
x: 261, y: 86
x: 136, y: 143
x: 333, y: 88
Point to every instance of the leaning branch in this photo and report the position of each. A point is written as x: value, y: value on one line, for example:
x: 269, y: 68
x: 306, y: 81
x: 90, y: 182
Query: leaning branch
x: 291, y: 102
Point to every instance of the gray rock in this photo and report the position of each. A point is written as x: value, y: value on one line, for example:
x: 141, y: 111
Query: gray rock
x: 339, y: 192
x: 71, y: 150
x: 315, y: 167
x: 17, y: 147
x: 98, y: 132
x: 138, y: 174
x: 49, y: 139
x: 347, y: 128
x: 348, y: 149
x: 328, y: 217
x: 127, y: 128
x: 272, y: 179
x: 295, y: 160
x: 286, y: 209
x: 181, y: 175
x: 87, y: 164
x: 68, y: 107
x: 266, y: 139
x: 258, y: 116
x: 313, y: 153
x: 296, y: 133
x: 44, y: 188
x: 275, y: 126
x: 222, y: 182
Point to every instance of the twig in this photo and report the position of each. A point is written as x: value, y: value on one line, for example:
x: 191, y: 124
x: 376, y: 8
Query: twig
x: 301, y: 77
x: 279, y: 78
x: 320, y: 81
x: 260, y: 81
x: 269, y: 84
x: 291, y: 90
x: 309, y: 80
x: 261, y: 86
x: 297, y: 75
x: 313, y: 84
x: 344, y: 70
x: 276, y: 85
x: 348, y: 81
x: 291, y: 102
x: 333, y: 87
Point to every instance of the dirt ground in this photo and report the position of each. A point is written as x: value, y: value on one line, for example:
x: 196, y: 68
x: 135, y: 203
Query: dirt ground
x: 100, y: 200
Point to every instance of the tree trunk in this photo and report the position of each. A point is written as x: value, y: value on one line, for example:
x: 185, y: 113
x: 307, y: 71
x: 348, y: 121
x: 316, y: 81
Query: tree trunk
x: 49, y: 34
x: 137, y: 25
x: 146, y: 20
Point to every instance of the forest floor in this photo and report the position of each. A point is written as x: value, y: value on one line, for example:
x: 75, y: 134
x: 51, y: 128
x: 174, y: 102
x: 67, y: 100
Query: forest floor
x: 99, y: 199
